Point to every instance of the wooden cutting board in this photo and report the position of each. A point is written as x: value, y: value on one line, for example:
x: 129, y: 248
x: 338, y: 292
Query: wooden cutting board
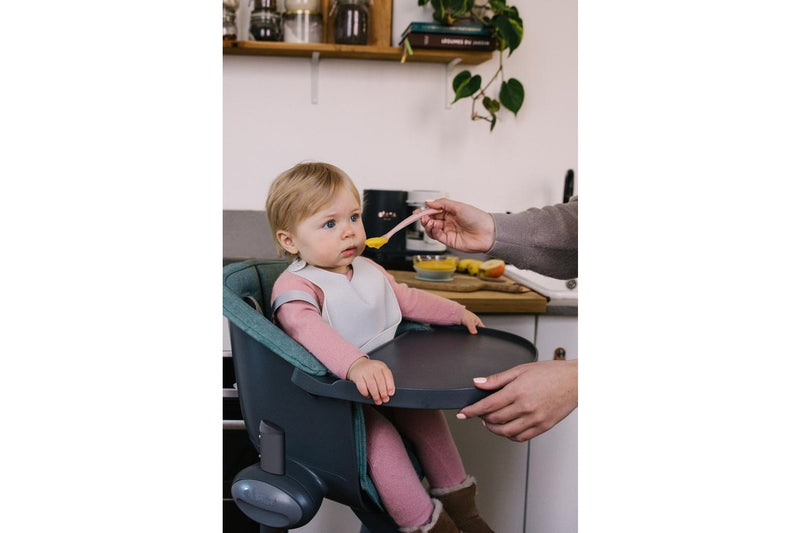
x: 460, y: 283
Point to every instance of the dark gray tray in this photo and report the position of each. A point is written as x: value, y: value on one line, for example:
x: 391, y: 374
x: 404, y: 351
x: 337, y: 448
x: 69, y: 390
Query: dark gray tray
x: 433, y: 369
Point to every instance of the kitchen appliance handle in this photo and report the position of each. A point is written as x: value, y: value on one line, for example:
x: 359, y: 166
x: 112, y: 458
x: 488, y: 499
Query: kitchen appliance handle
x: 569, y: 182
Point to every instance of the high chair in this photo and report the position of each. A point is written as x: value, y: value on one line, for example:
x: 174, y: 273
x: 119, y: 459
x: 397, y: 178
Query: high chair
x: 308, y: 425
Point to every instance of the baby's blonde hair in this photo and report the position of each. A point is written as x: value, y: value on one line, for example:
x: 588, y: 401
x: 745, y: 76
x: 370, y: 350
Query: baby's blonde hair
x: 301, y: 191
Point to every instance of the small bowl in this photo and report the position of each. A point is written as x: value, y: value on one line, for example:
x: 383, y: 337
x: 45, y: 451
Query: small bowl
x: 435, y: 267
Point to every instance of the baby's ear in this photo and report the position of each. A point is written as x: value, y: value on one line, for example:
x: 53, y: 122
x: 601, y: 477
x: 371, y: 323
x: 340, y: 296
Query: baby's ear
x: 286, y: 241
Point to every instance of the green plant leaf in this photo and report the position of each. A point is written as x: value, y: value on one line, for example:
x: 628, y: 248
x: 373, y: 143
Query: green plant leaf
x: 465, y: 84
x: 448, y: 11
x: 461, y: 79
x: 494, y: 121
x: 508, y: 31
x: 491, y: 105
x: 512, y: 95
x: 499, y: 7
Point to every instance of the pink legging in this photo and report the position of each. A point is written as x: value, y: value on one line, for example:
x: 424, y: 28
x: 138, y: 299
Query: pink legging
x: 391, y: 470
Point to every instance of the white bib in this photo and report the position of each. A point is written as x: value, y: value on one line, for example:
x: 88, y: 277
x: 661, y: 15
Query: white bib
x: 364, y: 310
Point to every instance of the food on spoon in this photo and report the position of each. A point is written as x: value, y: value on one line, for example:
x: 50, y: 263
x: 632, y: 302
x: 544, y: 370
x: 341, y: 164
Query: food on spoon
x: 376, y: 242
x: 493, y: 268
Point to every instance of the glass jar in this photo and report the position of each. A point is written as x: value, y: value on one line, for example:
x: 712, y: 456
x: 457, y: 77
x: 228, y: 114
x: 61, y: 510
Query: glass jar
x: 351, y: 21
x: 302, y: 26
x: 265, y: 21
x: 229, y: 19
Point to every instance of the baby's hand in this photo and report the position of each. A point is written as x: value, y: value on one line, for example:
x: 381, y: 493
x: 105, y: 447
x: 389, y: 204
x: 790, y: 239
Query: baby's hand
x: 372, y: 378
x: 471, y: 320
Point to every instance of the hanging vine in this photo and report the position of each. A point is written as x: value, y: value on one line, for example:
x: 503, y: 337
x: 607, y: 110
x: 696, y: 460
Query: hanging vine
x: 505, y: 26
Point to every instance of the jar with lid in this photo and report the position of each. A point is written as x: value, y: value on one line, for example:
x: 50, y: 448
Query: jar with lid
x: 351, y: 21
x: 229, y: 8
x: 302, y: 25
x: 265, y: 21
x: 416, y: 238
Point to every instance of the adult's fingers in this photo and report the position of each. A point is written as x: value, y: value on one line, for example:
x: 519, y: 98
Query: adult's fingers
x: 517, y: 430
x: 501, y: 379
x: 490, y: 404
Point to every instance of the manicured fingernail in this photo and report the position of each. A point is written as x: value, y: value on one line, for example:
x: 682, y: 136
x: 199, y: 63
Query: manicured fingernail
x: 479, y: 380
x: 461, y: 416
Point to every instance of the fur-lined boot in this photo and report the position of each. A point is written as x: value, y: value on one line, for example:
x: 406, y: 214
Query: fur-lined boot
x: 440, y: 522
x: 459, y: 502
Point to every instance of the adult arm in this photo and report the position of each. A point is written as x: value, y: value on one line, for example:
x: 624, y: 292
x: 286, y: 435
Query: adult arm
x: 541, y: 239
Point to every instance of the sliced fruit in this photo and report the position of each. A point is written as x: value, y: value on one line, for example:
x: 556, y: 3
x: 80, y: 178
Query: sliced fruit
x: 493, y: 268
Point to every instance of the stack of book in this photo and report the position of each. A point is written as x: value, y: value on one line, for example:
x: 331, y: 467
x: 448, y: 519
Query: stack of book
x: 459, y: 36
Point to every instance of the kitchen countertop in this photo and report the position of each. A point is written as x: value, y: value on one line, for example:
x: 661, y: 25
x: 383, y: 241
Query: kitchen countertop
x: 493, y: 302
x: 485, y: 301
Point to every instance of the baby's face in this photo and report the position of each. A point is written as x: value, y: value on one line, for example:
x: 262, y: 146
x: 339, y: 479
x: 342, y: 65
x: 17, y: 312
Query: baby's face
x: 332, y: 237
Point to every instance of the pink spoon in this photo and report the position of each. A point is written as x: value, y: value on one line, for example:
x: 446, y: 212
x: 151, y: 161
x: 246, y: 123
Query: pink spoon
x: 377, y: 242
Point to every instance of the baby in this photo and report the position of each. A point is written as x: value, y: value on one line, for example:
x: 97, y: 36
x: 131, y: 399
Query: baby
x: 339, y: 306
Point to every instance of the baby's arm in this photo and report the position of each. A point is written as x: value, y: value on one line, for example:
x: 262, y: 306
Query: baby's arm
x: 423, y: 306
x: 303, y: 322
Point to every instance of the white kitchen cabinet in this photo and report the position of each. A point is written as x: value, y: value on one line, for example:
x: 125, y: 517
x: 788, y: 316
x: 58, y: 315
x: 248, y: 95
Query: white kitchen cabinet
x: 552, y: 505
x: 499, y: 465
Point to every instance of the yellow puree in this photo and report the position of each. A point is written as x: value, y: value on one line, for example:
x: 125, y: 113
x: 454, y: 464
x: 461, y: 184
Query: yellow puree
x: 436, y: 265
x: 376, y: 242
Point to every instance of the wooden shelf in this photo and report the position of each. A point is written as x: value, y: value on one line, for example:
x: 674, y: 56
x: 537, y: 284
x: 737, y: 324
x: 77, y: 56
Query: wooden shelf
x: 344, y: 51
x: 378, y: 43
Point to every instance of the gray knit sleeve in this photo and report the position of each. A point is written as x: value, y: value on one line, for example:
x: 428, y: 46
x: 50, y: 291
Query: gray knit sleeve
x: 543, y: 240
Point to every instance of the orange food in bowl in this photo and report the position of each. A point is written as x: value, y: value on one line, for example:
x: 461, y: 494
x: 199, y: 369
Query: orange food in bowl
x: 435, y: 267
x: 432, y: 264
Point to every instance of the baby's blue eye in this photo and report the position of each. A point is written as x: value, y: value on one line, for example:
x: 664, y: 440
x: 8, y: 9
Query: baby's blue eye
x: 330, y: 224
x: 353, y: 218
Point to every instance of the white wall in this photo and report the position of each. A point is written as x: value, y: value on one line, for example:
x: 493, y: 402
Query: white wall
x: 386, y: 123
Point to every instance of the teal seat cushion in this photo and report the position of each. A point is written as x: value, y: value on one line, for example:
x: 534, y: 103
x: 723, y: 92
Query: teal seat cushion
x: 254, y: 280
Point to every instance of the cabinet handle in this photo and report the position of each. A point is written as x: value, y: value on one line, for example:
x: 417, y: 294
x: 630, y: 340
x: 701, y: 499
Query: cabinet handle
x: 560, y: 354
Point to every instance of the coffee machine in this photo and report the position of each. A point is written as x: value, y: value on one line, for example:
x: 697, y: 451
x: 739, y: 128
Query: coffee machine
x: 382, y: 211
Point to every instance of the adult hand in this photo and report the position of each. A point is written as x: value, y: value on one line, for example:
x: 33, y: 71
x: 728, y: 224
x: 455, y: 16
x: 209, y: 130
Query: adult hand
x: 459, y: 226
x: 532, y: 398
